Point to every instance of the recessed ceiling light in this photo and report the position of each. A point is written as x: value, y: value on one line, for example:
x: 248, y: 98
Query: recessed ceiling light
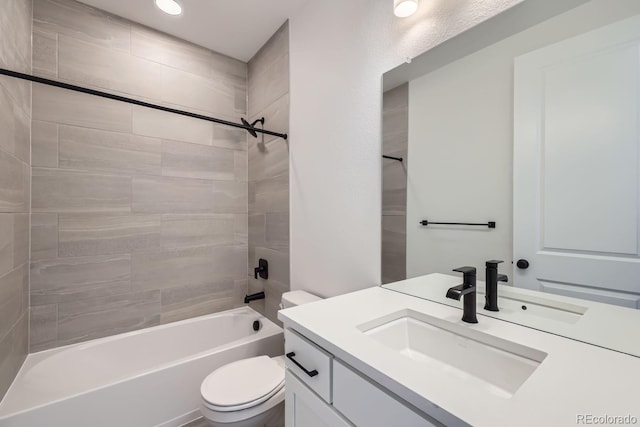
x: 404, y: 8
x: 170, y: 7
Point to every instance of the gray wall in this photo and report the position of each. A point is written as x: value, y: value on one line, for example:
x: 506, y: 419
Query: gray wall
x: 15, y: 123
x: 395, y: 136
x: 139, y: 217
x: 269, y: 171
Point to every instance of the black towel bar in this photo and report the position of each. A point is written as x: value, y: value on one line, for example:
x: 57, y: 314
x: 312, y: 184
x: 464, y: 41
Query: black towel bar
x: 490, y: 224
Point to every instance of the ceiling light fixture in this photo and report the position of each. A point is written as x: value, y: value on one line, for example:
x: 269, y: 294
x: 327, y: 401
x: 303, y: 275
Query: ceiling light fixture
x: 404, y: 8
x: 170, y: 7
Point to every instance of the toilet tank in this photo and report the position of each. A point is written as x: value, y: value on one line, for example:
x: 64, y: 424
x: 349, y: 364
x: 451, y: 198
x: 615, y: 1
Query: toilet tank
x: 294, y: 298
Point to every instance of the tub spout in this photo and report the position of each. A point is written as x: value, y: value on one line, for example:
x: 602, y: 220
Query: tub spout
x: 253, y: 297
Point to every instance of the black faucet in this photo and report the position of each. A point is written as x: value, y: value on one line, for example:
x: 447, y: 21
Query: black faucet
x: 466, y: 290
x: 492, y: 278
x: 253, y: 297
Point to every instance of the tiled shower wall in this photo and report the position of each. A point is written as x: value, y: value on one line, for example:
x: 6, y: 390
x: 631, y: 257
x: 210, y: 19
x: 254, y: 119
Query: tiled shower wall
x: 15, y: 123
x: 139, y: 216
x: 395, y: 137
x: 269, y: 171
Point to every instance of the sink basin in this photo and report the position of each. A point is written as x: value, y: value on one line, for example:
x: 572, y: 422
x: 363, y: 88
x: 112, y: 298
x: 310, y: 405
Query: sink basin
x: 500, y: 366
x: 535, y: 306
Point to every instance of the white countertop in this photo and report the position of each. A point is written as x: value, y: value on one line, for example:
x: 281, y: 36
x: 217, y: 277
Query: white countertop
x: 575, y: 378
x: 605, y: 325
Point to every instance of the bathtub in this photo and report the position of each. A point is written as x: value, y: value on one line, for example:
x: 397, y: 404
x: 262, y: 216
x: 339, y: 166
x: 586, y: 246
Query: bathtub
x: 145, y: 378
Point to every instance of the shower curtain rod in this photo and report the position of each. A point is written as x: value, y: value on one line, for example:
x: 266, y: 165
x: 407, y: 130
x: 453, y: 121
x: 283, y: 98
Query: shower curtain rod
x: 107, y: 95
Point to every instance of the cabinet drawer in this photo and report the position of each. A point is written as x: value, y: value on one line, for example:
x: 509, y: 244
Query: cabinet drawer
x: 364, y: 404
x: 310, y: 363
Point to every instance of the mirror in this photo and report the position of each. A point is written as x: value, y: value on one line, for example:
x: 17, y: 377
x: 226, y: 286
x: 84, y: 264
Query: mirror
x: 519, y: 140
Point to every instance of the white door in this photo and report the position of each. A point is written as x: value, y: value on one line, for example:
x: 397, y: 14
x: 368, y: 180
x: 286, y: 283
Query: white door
x: 576, y: 166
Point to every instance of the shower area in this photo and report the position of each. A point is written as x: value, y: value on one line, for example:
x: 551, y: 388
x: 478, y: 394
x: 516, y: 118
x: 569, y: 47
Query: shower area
x: 115, y: 216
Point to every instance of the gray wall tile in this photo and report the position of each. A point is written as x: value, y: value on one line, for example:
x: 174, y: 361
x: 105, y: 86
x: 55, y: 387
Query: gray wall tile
x: 22, y: 135
x: 165, y: 49
x: 230, y: 261
x: 13, y: 184
x: 141, y: 215
x: 170, y: 269
x: 171, y: 195
x: 107, y: 69
x: 15, y: 156
x: 241, y: 229
x: 268, y: 174
x: 95, y: 150
x: 181, y: 159
x: 20, y: 239
x: 14, y: 127
x: 158, y: 124
x: 44, y: 236
x: 240, y: 166
x: 184, y: 231
x: 78, y: 20
x: 15, y: 46
x: 71, y: 279
x: 61, y: 106
x: 45, y: 53
x: 7, y: 121
x: 277, y: 231
x: 62, y: 191
x: 6, y: 243
x: 44, y: 144
x: 268, y: 160
x: 228, y: 137
x: 184, y: 302
x: 269, y: 195
x: 186, y: 89
x: 394, y: 248
x: 91, y: 318
x: 12, y: 301
x: 13, y: 351
x: 229, y: 197
x: 43, y: 327
x: 87, y: 234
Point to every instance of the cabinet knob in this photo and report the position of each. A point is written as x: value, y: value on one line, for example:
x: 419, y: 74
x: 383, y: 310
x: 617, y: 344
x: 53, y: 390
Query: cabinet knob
x: 522, y: 264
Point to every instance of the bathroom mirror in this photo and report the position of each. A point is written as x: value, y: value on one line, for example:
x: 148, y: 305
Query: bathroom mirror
x: 518, y: 141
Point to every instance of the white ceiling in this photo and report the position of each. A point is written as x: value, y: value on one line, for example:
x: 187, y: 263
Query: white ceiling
x: 237, y: 28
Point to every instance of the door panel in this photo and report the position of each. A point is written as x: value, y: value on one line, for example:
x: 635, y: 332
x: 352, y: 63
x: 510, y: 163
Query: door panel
x: 576, y: 165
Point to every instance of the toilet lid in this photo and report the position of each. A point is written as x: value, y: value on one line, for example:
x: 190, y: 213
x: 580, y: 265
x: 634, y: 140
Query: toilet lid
x: 242, y: 384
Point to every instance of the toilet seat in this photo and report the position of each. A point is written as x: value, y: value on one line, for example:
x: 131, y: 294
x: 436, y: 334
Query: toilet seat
x: 225, y: 391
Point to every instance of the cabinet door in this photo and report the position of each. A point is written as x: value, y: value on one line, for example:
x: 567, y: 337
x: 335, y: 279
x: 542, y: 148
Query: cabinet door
x: 303, y: 408
x: 367, y: 405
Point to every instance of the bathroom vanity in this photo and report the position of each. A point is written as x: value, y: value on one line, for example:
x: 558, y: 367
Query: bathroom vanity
x: 378, y: 358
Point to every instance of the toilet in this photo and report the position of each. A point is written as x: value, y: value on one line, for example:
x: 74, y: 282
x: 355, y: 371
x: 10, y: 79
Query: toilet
x: 249, y: 392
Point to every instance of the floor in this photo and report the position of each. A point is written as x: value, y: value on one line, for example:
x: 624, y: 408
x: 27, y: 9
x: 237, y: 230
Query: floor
x: 200, y: 422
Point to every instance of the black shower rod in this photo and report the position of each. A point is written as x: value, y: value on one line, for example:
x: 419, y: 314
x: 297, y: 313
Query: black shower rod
x: 249, y: 128
x: 393, y: 158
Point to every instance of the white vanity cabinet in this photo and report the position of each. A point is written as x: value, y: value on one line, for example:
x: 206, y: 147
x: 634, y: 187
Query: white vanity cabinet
x: 322, y: 391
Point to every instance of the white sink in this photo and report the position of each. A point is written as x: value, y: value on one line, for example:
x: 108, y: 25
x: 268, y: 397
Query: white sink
x: 534, y: 306
x: 500, y: 366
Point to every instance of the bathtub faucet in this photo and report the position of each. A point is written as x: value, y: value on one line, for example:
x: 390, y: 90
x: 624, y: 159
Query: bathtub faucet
x: 253, y: 297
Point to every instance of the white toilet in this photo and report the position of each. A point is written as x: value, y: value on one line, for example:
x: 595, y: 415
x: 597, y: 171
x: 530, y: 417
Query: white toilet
x: 249, y: 392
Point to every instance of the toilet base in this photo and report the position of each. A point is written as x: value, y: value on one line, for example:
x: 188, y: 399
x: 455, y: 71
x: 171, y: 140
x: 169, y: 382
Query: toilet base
x: 274, y: 417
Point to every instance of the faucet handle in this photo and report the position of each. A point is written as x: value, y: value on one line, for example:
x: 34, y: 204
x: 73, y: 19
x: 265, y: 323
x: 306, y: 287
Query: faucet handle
x: 465, y: 270
x: 493, y: 263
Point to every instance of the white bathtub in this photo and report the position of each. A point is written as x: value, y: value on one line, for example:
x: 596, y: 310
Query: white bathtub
x: 144, y: 378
